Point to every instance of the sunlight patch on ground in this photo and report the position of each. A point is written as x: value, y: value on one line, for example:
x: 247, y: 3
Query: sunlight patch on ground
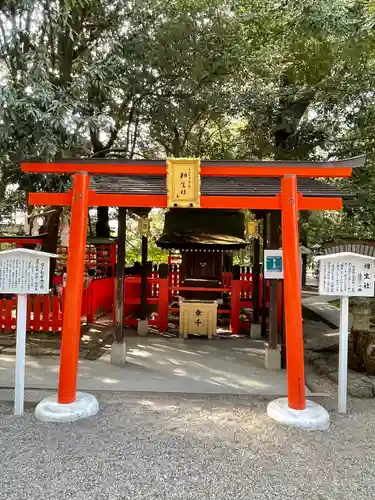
x: 107, y: 380
x: 180, y: 373
x: 8, y: 359
x: 157, y: 405
x: 139, y: 353
x: 175, y: 361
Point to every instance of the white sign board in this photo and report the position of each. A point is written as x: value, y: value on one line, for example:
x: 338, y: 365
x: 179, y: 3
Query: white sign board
x: 23, y: 272
x: 273, y: 264
x: 346, y: 274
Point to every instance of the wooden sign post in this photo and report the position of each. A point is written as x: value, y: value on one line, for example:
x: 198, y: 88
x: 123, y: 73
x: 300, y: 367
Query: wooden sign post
x: 23, y: 272
x: 345, y: 275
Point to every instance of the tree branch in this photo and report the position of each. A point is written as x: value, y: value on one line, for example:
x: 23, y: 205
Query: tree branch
x: 190, y: 128
x: 26, y: 35
x: 135, y: 135
x: 49, y: 27
x: 130, y: 119
x: 6, y: 45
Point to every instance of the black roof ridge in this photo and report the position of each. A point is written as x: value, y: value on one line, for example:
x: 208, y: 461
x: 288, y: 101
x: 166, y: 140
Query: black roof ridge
x: 355, y: 162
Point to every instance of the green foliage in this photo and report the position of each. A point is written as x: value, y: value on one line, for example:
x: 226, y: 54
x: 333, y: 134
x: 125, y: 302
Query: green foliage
x: 209, y: 78
x: 325, y: 226
x: 133, y: 239
x: 295, y: 100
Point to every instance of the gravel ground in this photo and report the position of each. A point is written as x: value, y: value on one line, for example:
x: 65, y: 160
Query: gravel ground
x: 170, y: 447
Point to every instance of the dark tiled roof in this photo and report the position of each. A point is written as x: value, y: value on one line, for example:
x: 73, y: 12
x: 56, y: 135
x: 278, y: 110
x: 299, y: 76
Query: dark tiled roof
x: 211, y: 186
x: 192, y: 227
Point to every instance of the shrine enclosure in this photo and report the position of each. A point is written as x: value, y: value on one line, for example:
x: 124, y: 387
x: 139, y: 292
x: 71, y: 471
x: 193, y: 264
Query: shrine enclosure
x: 278, y: 189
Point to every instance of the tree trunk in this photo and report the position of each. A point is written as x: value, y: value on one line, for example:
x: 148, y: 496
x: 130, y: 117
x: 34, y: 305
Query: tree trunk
x: 303, y: 218
x: 120, y: 275
x: 50, y: 244
x: 362, y: 335
x: 144, y: 273
x: 274, y: 336
x: 256, y: 274
x: 102, y: 225
x: 265, y: 310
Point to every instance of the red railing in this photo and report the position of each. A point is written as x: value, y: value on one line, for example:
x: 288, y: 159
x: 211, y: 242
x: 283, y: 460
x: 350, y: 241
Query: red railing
x: 44, y: 313
x: 173, y: 278
x: 153, y: 283
x: 100, y: 257
x: 133, y: 286
x: 240, y: 296
x: 98, y: 297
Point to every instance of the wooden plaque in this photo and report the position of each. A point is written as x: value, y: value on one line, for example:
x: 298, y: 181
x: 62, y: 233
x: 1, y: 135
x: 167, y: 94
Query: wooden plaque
x: 183, y: 182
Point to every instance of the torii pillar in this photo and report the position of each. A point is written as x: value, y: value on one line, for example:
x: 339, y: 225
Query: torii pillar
x: 295, y: 409
x: 70, y: 405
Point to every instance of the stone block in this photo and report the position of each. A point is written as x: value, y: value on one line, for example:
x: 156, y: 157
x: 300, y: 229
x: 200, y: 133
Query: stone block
x: 256, y: 331
x: 142, y: 328
x: 272, y: 359
x: 118, y: 353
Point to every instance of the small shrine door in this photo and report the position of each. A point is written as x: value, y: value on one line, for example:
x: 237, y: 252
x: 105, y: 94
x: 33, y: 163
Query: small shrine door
x: 202, y: 265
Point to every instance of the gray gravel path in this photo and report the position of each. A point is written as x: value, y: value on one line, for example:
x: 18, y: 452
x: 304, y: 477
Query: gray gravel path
x: 170, y: 447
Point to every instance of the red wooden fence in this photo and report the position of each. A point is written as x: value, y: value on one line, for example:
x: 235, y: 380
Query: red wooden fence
x: 99, y: 256
x: 45, y: 312
x: 99, y: 297
x: 132, y: 292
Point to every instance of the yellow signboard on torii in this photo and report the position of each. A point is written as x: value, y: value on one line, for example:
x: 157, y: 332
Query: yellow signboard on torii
x: 183, y: 182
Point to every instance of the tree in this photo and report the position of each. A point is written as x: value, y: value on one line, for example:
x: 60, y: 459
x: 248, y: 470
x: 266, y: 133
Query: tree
x: 96, y: 71
x: 244, y: 78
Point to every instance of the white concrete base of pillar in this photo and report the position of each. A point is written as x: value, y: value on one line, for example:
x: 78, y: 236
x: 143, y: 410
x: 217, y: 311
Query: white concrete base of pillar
x: 272, y: 358
x: 49, y: 410
x: 313, y: 418
x: 118, y: 353
x: 256, y: 331
x: 142, y: 328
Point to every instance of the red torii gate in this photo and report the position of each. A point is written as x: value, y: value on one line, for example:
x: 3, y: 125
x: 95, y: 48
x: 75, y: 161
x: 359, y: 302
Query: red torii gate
x: 289, y: 201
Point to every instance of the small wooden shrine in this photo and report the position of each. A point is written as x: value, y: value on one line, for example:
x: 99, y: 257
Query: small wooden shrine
x: 206, y: 240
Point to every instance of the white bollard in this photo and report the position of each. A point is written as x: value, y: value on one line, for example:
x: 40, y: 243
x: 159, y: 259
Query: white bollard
x: 19, y: 395
x: 343, y: 354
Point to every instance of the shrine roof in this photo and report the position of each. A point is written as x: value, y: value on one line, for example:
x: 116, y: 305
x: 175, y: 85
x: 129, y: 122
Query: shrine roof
x: 186, y: 228
x: 213, y: 186
x: 93, y: 240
